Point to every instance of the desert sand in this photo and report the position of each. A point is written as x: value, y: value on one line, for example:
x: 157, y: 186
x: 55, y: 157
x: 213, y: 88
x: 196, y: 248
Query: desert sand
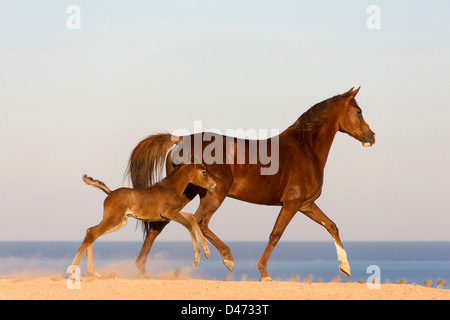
x: 112, y: 288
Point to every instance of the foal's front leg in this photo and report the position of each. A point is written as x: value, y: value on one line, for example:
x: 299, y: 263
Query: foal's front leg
x: 202, y: 239
x: 178, y: 217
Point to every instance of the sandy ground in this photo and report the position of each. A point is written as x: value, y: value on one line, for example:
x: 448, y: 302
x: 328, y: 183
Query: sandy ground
x: 55, y: 288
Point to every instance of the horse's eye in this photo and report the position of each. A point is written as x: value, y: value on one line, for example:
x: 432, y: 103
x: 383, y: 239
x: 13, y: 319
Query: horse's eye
x: 204, y: 173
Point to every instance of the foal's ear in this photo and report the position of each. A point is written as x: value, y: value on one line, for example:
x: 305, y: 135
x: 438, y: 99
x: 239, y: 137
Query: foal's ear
x: 352, y: 93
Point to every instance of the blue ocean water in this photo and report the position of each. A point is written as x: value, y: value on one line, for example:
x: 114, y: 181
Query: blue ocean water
x: 316, y: 261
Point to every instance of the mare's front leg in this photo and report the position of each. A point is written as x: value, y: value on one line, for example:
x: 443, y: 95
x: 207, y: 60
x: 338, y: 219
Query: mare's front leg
x: 314, y: 212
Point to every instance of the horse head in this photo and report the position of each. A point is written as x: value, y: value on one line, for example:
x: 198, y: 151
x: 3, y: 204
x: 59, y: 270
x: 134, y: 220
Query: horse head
x: 351, y: 120
x: 201, y: 178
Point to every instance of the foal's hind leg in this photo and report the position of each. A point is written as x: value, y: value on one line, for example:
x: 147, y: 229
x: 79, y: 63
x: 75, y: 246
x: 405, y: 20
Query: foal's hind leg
x: 92, y: 234
x: 89, y: 253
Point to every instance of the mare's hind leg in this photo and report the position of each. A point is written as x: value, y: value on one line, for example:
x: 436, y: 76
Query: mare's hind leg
x: 176, y: 216
x: 314, y: 212
x: 201, y: 238
x: 155, y: 229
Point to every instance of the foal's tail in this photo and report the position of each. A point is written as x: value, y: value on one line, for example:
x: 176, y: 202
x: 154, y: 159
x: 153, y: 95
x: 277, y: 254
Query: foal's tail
x: 96, y: 183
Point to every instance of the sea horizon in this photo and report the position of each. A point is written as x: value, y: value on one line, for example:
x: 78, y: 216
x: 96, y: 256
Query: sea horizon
x: 313, y: 261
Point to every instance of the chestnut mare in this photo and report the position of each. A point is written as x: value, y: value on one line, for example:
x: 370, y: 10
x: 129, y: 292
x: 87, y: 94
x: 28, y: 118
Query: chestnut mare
x: 160, y: 202
x: 303, y: 152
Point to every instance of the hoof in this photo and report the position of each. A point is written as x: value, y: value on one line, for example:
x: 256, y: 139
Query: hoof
x: 229, y: 264
x: 265, y: 279
x: 345, y: 269
x: 95, y: 274
x: 195, y: 263
x: 206, y: 253
x: 111, y: 275
x: 142, y: 275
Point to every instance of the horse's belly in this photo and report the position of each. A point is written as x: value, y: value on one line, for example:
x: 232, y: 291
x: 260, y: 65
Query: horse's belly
x: 259, y: 192
x: 144, y: 215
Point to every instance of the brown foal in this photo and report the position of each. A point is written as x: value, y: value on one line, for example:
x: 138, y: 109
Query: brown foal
x: 160, y: 202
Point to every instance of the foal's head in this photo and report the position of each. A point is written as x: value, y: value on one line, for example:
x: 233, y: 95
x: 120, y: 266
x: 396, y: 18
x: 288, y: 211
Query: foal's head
x: 201, y: 178
x: 351, y: 120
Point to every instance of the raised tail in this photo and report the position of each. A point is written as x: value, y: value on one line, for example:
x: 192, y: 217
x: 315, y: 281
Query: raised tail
x: 147, y: 159
x: 96, y: 183
x: 146, y: 164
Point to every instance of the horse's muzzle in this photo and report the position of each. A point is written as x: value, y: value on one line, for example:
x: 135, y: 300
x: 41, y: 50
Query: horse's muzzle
x: 368, y: 139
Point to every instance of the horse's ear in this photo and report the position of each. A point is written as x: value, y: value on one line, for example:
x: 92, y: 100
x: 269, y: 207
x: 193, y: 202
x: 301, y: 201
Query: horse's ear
x: 352, y: 93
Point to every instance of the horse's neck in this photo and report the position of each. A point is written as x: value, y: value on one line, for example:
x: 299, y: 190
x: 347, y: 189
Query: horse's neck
x: 179, y: 180
x: 319, y: 140
x: 324, y: 140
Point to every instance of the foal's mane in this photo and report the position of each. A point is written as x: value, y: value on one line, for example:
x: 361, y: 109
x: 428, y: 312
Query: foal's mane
x: 171, y: 173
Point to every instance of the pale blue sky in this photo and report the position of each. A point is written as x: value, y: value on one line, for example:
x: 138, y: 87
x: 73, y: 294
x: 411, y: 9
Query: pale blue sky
x: 78, y: 101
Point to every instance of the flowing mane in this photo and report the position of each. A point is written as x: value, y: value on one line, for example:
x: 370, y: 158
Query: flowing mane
x: 315, y: 116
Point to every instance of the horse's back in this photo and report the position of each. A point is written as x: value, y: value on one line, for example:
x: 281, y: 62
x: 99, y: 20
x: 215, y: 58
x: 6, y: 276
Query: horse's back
x: 297, y: 176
